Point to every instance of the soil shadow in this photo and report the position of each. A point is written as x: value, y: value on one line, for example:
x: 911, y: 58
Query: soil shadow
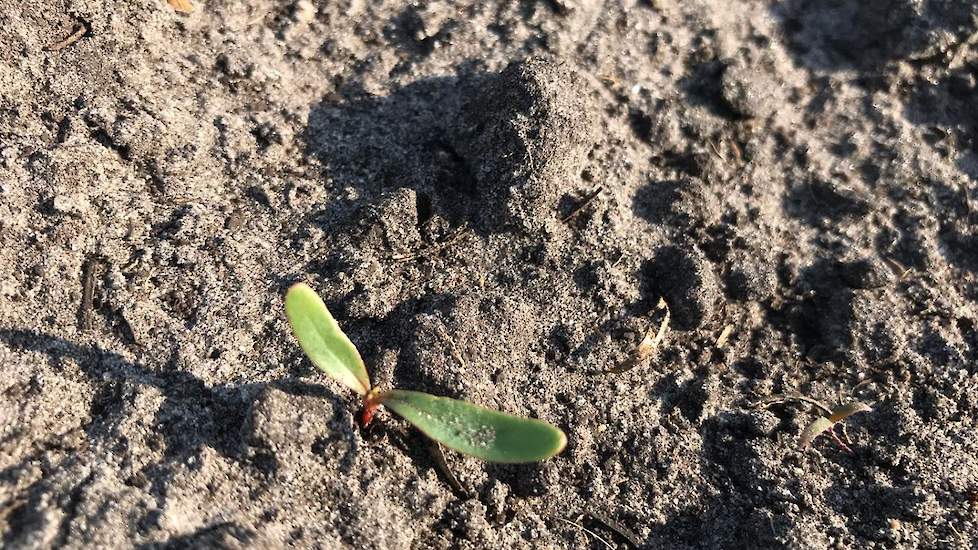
x: 825, y: 204
x: 219, y: 535
x: 866, y: 34
x: 192, y: 415
x: 743, y: 509
x: 943, y: 106
x: 371, y: 145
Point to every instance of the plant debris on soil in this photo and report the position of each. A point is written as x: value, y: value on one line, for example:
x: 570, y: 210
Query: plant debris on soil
x: 492, y: 198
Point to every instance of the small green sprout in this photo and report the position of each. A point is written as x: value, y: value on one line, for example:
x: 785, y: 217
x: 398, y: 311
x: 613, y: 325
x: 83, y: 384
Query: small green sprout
x: 483, y: 433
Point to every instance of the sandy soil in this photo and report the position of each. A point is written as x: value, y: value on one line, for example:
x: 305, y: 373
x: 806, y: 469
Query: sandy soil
x: 492, y: 198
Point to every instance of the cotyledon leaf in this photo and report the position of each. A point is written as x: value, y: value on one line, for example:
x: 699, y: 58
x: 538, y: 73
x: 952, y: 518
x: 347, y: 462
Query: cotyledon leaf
x: 321, y: 338
x: 823, y: 424
x: 843, y: 412
x: 483, y: 433
x: 813, y: 430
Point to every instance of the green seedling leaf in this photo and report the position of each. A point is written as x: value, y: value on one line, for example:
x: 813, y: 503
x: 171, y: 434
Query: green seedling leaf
x: 817, y: 427
x: 483, y: 433
x: 843, y: 412
x: 321, y: 338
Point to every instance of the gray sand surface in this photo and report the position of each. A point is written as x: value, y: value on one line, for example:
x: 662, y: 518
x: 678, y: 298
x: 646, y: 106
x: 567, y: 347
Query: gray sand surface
x: 492, y: 198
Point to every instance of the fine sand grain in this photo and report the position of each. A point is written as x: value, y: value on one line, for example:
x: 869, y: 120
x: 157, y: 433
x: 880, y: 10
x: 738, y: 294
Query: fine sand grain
x: 492, y: 198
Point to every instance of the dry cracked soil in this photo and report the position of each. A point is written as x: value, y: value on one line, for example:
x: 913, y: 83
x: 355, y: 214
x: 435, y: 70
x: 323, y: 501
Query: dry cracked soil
x: 492, y: 197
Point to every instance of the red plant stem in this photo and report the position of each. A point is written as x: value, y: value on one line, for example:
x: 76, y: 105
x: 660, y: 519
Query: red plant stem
x: 839, y: 442
x: 370, y: 406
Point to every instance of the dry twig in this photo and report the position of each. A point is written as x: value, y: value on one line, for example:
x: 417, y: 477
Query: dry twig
x: 624, y: 533
x: 88, y: 276
x: 721, y: 341
x: 432, y: 249
x: 649, y: 343
x: 181, y: 6
x: 783, y: 398
x: 80, y: 31
x: 583, y: 204
x: 588, y: 531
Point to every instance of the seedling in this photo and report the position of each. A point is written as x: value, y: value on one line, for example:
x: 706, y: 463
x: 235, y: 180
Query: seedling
x: 821, y: 424
x: 471, y: 429
x: 825, y: 424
